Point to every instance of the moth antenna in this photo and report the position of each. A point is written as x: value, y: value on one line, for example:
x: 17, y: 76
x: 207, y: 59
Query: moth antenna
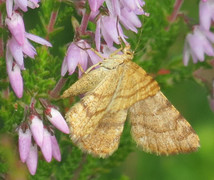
x: 139, y: 38
x: 118, y: 32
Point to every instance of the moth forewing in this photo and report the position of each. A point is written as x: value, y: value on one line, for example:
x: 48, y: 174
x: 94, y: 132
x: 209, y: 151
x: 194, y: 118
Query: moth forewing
x: 96, y: 122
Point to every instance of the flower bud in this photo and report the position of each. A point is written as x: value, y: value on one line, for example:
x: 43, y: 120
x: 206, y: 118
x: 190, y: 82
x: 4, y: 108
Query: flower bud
x: 16, y: 26
x: 55, y: 149
x: 24, y: 143
x: 37, y: 129
x: 56, y: 119
x: 46, y: 146
x: 14, y: 74
x: 32, y: 159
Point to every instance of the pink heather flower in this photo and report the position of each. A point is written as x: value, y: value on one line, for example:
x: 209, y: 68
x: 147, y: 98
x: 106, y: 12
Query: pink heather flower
x: 206, y: 13
x: 33, y: 4
x: 19, y: 44
x: 22, y: 4
x: 37, y: 129
x: 134, y: 5
x: 78, y: 53
x: 14, y: 74
x: 130, y: 20
x: 24, y: 144
x: 126, y: 12
x: 110, y: 35
x: 55, y: 117
x: 16, y: 26
x: 16, y: 51
x: 55, y: 149
x: 38, y: 39
x: 95, y: 4
x: 32, y: 159
x: 46, y: 146
x: 197, y: 44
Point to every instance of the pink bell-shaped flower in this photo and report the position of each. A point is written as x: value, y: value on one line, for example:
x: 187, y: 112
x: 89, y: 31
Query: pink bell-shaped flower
x: 24, y: 143
x: 32, y: 159
x: 55, y: 117
x: 46, y: 147
x: 55, y: 149
x: 37, y: 129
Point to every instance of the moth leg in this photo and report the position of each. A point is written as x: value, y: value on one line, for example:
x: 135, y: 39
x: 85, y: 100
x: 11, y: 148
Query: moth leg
x: 116, y: 52
x: 97, y: 53
x: 81, y: 69
x: 95, y: 65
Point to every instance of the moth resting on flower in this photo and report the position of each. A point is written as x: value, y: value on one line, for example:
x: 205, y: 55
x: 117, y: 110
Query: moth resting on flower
x: 116, y: 88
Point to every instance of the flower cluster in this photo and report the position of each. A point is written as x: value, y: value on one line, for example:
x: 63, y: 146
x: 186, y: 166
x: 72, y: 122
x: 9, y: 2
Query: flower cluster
x: 198, y: 44
x: 200, y: 41
x: 12, y: 5
x: 18, y: 45
x: 124, y: 12
x: 43, y: 136
x: 108, y: 27
x: 79, y: 53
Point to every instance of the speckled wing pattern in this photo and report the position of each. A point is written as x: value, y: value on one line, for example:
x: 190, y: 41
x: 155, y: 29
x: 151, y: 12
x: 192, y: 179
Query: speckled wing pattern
x: 159, y: 128
x: 96, y: 122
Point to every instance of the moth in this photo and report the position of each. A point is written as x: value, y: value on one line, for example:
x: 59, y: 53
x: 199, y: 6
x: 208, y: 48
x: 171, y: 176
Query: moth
x: 117, y: 88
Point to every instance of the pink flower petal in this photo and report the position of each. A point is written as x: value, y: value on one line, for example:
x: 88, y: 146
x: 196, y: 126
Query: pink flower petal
x: 57, y: 120
x: 36, y: 127
x: 9, y: 7
x: 73, y: 56
x: 205, y: 13
x: 22, y: 4
x: 16, y: 27
x: 14, y: 74
x: 46, y: 146
x: 95, y: 4
x: 38, y: 39
x: 16, y: 51
x: 83, y: 61
x: 196, y: 46
x: 24, y: 144
x: 33, y: 4
x: 186, y: 54
x: 130, y: 20
x: 64, y: 67
x: 93, y: 57
x: 107, y: 22
x: 114, y: 7
x: 106, y: 37
x: 98, y: 36
x: 209, y: 35
x: 32, y: 159
x: 28, y: 49
x: 55, y: 149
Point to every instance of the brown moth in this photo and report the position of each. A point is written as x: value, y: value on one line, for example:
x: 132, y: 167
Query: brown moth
x: 116, y: 88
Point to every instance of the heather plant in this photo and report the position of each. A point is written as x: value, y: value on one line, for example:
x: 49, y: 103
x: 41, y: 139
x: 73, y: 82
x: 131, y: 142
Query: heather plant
x: 73, y: 36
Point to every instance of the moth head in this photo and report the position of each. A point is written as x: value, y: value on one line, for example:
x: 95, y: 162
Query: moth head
x: 128, y: 52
